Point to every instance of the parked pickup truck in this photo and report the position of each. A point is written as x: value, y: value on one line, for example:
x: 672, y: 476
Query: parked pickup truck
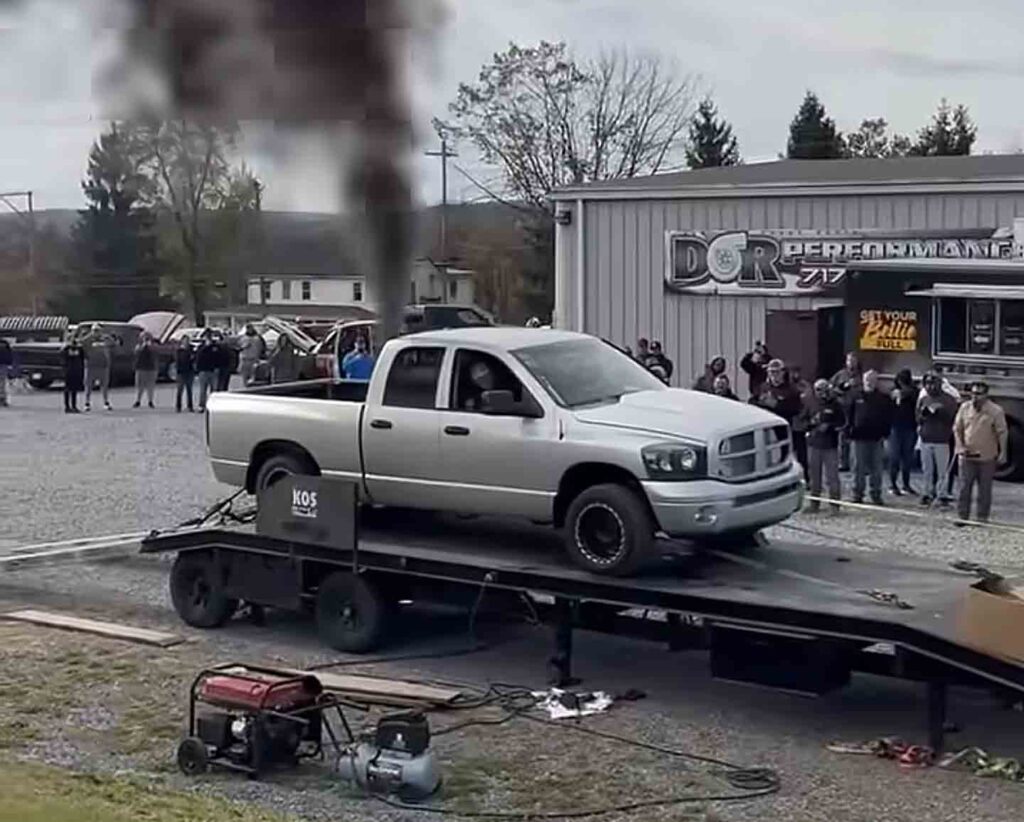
x: 42, y: 364
x: 548, y: 425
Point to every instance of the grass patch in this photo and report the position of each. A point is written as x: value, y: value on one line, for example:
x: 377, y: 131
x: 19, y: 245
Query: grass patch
x: 33, y: 793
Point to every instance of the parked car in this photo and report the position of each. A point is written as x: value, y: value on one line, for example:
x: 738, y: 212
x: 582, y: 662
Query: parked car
x: 548, y: 425
x: 41, y: 363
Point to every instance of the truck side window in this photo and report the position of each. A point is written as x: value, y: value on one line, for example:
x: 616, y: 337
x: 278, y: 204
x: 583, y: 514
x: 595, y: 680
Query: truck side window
x: 476, y: 372
x: 412, y: 380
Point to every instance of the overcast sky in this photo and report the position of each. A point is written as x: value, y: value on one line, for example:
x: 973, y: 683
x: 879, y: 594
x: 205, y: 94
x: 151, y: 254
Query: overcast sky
x: 873, y: 58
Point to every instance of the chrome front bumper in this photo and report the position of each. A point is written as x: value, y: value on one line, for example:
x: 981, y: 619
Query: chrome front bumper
x: 712, y: 507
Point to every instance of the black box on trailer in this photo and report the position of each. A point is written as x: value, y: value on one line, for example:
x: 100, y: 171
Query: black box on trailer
x: 790, y: 662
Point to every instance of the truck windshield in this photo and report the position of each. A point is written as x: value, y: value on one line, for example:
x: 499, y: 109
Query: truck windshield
x: 585, y: 372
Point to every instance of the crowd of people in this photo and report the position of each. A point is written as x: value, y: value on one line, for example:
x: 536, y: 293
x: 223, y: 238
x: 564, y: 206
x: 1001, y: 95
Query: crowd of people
x: 848, y: 423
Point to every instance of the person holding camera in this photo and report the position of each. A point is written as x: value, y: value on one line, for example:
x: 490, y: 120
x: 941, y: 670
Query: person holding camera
x: 903, y: 436
x: 981, y: 444
x: 825, y: 419
x: 755, y: 364
x: 847, y: 383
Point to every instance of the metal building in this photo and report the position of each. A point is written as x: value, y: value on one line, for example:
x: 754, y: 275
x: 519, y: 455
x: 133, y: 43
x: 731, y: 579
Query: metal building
x: 709, y: 261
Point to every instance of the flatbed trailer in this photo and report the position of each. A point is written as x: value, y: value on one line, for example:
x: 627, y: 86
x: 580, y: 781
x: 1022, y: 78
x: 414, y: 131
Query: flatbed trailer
x: 785, y: 615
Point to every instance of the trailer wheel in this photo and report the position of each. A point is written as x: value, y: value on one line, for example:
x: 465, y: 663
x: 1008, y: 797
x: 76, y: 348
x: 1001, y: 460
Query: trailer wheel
x: 193, y: 758
x: 1013, y: 469
x: 351, y: 613
x: 281, y: 465
x: 197, y: 591
x: 609, y: 530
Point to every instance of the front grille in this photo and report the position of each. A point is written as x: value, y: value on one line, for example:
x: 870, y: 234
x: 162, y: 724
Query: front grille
x: 754, y: 454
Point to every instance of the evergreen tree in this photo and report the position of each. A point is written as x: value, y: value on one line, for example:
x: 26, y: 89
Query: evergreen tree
x: 813, y: 135
x: 112, y: 264
x: 950, y: 133
x: 711, y: 140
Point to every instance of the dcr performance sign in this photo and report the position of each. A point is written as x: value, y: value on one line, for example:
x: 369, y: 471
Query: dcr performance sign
x: 743, y: 262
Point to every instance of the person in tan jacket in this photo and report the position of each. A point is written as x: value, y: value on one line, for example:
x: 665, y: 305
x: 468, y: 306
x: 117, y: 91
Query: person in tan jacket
x: 981, y: 442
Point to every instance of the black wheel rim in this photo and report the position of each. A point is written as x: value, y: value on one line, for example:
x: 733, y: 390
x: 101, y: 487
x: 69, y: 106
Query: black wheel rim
x: 600, y: 534
x: 348, y: 617
x: 199, y: 591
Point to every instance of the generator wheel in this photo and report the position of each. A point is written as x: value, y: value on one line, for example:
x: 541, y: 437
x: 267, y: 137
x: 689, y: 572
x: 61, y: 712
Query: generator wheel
x: 193, y: 758
x: 197, y: 591
x: 351, y: 613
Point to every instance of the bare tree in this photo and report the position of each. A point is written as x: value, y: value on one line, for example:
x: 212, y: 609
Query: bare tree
x: 546, y: 120
x: 190, y: 165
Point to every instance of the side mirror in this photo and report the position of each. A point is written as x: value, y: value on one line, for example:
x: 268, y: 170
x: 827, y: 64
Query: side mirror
x: 503, y: 404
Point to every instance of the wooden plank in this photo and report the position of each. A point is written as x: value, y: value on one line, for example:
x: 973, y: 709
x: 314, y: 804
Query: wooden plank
x: 113, y: 630
x: 16, y: 560
x: 374, y: 689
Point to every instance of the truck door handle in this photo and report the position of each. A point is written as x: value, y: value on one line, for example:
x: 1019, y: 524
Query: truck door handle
x: 382, y: 424
x: 456, y: 430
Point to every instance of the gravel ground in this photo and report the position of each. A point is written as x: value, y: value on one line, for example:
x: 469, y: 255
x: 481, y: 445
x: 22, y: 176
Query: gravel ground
x: 133, y: 470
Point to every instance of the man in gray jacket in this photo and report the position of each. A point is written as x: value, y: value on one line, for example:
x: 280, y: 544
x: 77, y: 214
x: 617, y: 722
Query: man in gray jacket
x: 98, y: 358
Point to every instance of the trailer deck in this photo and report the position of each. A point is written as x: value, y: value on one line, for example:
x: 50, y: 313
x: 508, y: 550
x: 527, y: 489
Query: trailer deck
x: 781, y: 614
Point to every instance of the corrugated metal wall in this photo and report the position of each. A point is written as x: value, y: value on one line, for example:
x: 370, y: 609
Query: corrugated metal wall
x: 624, y: 253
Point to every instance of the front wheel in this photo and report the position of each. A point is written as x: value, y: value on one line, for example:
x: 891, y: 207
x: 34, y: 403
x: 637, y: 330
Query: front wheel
x: 609, y: 530
x: 40, y: 383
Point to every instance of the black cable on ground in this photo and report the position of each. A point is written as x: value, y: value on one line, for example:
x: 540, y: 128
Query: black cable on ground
x: 751, y: 783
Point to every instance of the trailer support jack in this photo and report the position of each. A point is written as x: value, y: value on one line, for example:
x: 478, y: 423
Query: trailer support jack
x: 561, y: 662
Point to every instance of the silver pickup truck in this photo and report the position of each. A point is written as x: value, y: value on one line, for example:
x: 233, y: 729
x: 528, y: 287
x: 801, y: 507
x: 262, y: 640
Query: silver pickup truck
x: 549, y: 425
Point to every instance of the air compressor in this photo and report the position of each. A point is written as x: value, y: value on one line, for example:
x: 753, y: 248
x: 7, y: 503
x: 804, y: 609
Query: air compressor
x: 394, y: 759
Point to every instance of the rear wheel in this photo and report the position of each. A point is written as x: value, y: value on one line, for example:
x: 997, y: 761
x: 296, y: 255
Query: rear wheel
x: 351, y: 613
x: 285, y: 464
x: 609, y: 530
x: 198, y: 593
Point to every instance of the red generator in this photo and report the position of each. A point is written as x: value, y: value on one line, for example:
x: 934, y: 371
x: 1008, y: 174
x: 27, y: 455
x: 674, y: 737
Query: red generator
x: 249, y: 719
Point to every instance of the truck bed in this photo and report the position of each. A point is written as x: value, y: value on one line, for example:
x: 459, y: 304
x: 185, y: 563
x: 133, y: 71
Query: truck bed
x: 326, y: 389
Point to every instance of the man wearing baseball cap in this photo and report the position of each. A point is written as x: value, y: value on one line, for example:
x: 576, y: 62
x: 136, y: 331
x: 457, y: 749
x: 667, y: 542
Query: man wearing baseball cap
x: 981, y: 444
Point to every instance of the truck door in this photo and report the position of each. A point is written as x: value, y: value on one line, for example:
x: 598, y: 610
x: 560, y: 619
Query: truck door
x: 496, y: 464
x: 401, y: 432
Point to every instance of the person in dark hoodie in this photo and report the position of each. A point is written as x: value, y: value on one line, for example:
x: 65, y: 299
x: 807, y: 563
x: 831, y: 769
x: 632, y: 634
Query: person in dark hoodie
x: 706, y: 381
x: 903, y: 436
x: 755, y: 364
x: 72, y: 357
x: 208, y: 357
x: 825, y: 419
x: 868, y: 425
x: 847, y: 382
x: 936, y: 410
x: 6, y: 365
x: 185, y: 372
x: 778, y: 394
x: 723, y: 388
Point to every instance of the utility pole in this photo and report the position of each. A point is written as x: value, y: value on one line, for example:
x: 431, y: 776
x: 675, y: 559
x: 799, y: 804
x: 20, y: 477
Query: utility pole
x: 29, y: 217
x: 444, y: 154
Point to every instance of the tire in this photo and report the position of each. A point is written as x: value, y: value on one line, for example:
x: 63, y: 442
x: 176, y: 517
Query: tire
x: 193, y: 758
x: 171, y: 372
x: 40, y: 384
x: 609, y: 530
x: 197, y: 591
x: 281, y: 465
x: 1013, y: 471
x: 351, y: 613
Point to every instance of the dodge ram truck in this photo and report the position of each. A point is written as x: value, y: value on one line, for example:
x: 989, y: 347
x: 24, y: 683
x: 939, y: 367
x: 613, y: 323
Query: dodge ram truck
x: 552, y: 426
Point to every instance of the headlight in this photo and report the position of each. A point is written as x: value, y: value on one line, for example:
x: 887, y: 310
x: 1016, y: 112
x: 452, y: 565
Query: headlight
x: 675, y: 462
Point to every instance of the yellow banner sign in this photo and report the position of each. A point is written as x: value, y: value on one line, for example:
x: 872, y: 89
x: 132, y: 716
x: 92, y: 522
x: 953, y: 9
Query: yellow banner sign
x: 885, y: 330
